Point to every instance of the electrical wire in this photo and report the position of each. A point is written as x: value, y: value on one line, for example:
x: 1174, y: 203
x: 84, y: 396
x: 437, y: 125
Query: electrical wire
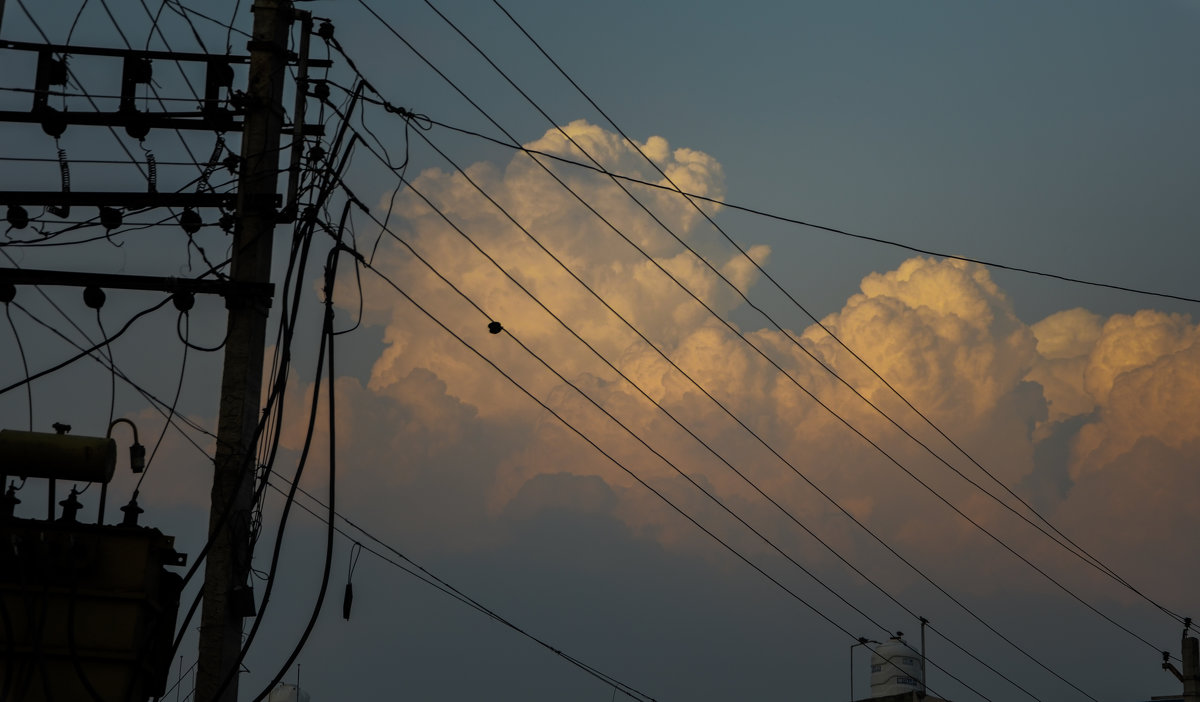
x: 410, y: 567
x: 330, y: 274
x: 24, y: 363
x: 108, y: 352
x: 181, y: 330
x: 759, y: 212
x: 166, y: 424
x: 87, y: 352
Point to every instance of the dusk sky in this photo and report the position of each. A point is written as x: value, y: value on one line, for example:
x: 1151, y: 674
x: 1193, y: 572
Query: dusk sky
x: 754, y: 487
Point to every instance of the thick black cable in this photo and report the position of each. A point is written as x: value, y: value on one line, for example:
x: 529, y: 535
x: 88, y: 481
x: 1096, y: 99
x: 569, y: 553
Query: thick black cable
x: 330, y: 275
x: 181, y: 325
x: 24, y: 363
x: 87, y: 352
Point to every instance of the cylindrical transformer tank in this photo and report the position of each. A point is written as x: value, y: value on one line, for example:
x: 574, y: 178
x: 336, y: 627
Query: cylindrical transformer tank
x: 31, y: 454
x: 895, y: 669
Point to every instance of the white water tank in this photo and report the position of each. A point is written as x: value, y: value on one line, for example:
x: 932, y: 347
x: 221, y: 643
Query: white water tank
x: 284, y: 692
x: 895, y: 669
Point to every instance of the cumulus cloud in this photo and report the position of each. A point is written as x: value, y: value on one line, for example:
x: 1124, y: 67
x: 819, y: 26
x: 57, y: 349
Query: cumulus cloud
x: 1063, y: 410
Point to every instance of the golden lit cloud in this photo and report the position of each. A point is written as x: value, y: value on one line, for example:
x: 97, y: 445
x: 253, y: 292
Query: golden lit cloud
x: 942, y: 332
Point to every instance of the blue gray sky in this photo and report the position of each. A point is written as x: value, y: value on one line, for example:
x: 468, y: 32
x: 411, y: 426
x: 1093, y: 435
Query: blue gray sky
x: 1057, y: 137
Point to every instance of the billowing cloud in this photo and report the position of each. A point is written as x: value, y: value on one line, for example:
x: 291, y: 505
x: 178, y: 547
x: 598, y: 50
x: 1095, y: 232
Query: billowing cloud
x: 1064, y: 411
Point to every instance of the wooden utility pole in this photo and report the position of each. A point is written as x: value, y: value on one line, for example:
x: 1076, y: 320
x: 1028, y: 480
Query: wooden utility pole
x: 227, y: 598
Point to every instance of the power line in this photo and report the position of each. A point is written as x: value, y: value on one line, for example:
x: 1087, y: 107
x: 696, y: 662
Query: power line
x: 419, y: 572
x: 511, y: 144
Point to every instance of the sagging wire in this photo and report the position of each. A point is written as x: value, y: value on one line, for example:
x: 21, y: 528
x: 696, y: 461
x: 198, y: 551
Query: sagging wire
x: 84, y: 352
x: 170, y: 412
x: 182, y: 330
x: 7, y: 293
x: 330, y: 275
x: 302, y: 241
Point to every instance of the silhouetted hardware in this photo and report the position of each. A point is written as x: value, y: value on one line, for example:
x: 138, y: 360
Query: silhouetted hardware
x: 33, y: 454
x: 138, y: 69
x: 88, y: 611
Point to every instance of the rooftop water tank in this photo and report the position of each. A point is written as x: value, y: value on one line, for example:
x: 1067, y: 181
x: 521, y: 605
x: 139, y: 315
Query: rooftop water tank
x: 895, y: 669
x: 284, y: 692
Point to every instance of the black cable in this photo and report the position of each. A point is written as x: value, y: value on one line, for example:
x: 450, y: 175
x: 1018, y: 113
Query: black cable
x: 180, y: 8
x: 237, y: 5
x: 86, y: 352
x: 420, y: 573
x: 108, y: 351
x: 24, y: 363
x: 301, y: 463
x: 330, y: 274
x: 150, y: 397
x: 171, y: 413
x: 74, y: 22
x: 512, y: 144
x: 184, y: 319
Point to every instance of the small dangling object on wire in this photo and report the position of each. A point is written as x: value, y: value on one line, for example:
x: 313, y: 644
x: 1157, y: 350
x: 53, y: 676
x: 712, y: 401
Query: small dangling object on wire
x: 348, y: 597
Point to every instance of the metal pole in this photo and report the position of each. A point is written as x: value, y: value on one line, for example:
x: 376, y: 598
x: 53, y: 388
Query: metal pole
x: 229, y: 555
x: 862, y: 641
x: 924, y: 686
